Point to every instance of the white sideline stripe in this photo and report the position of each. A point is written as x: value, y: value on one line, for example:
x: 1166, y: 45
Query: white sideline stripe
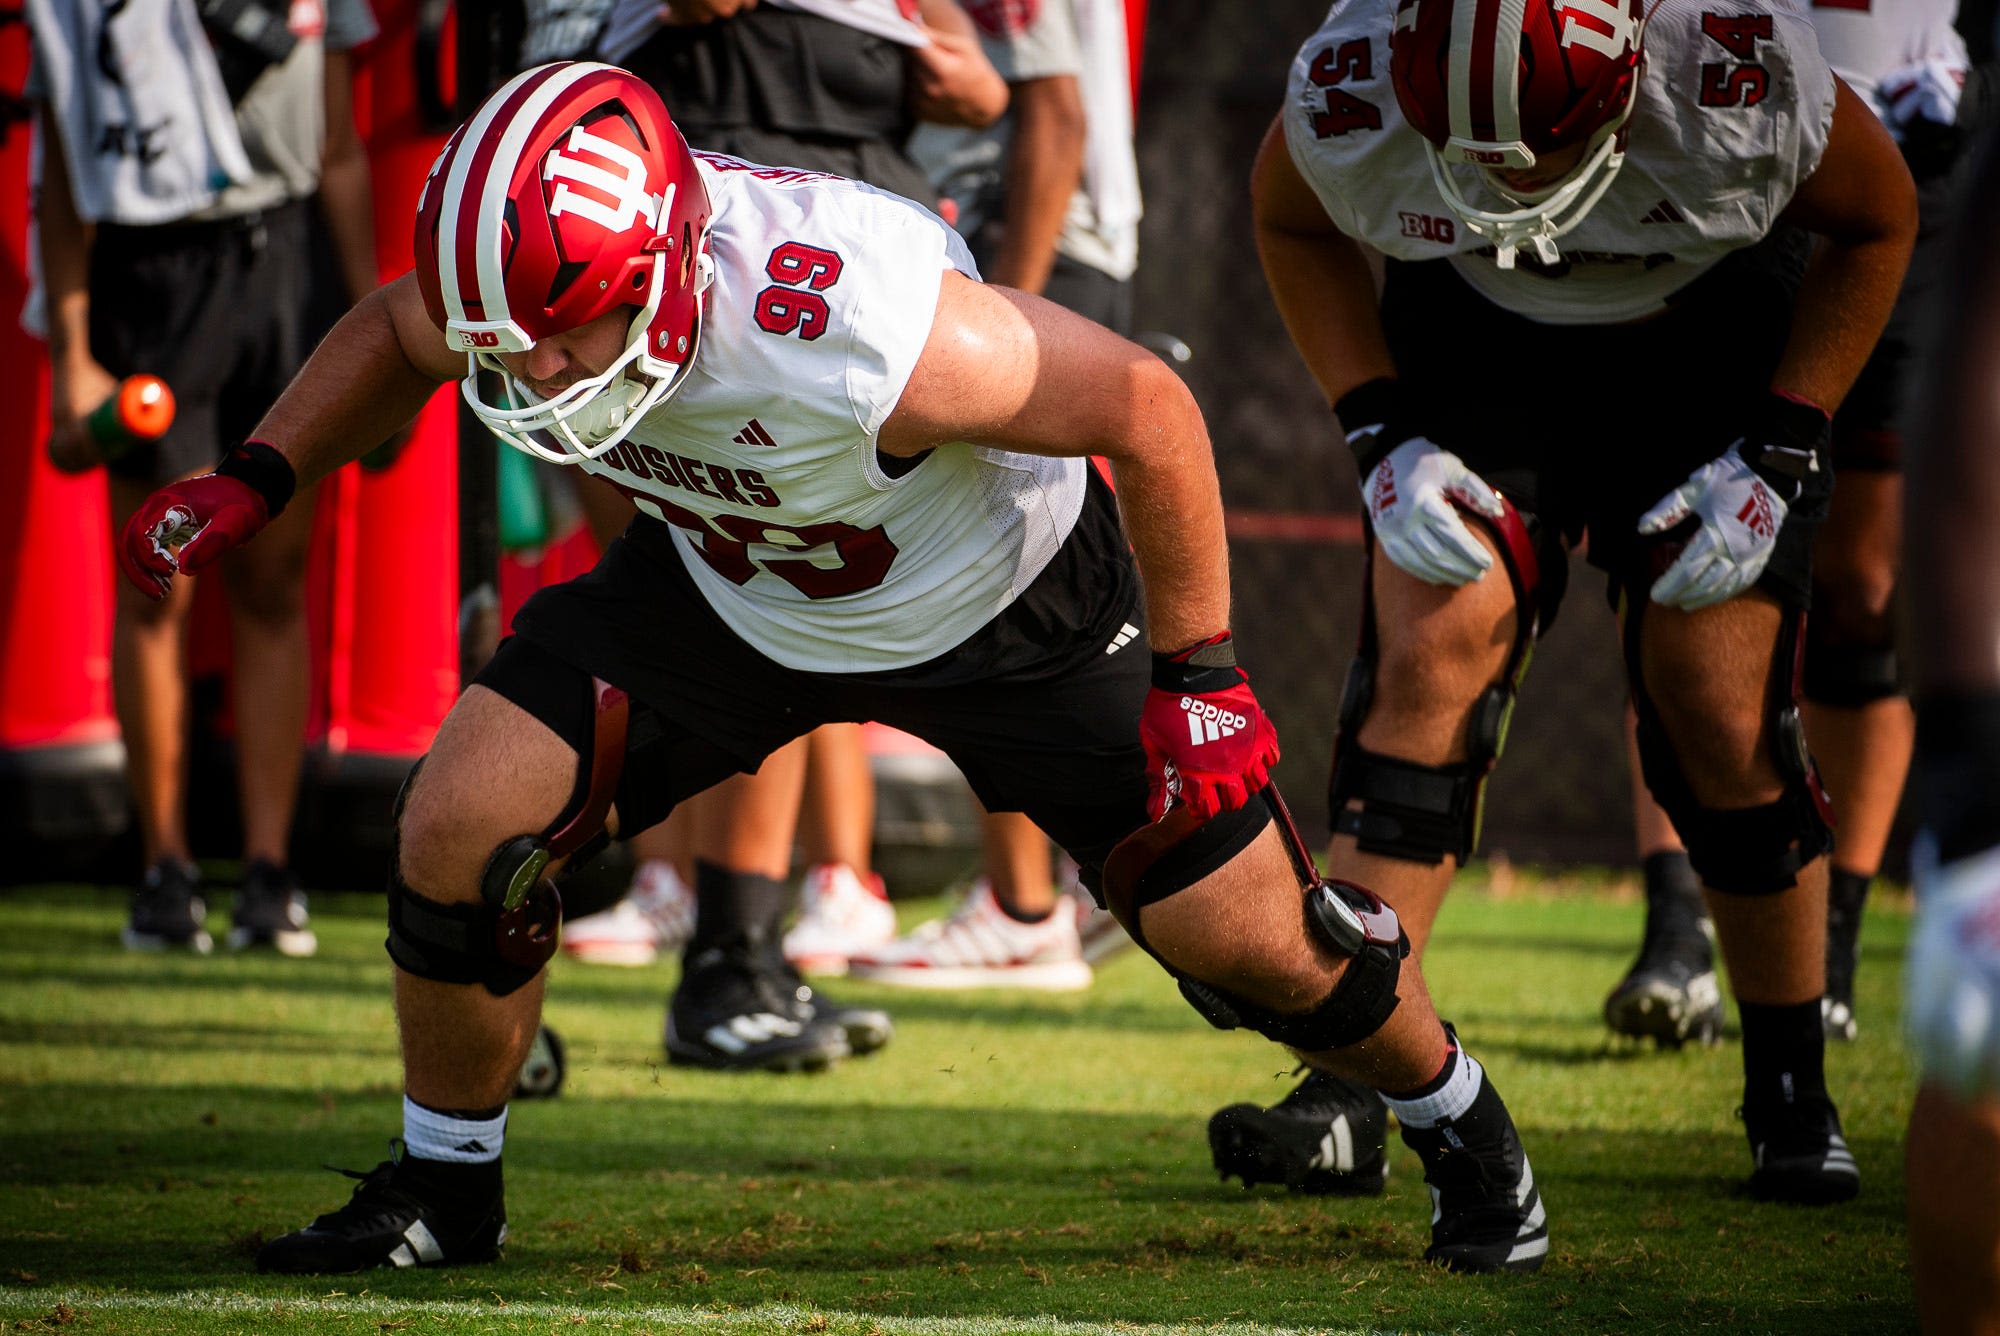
x: 762, y: 1318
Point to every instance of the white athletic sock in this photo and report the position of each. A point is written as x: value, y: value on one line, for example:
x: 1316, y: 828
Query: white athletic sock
x: 1452, y: 1094
x: 431, y: 1135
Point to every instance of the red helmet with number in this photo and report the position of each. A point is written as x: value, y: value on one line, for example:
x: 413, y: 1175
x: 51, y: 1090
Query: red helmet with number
x: 1503, y: 84
x: 568, y: 195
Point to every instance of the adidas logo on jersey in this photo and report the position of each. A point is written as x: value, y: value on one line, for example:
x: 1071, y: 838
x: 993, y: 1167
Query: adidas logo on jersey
x: 1125, y: 636
x: 1663, y: 212
x: 753, y: 433
x: 1208, y: 722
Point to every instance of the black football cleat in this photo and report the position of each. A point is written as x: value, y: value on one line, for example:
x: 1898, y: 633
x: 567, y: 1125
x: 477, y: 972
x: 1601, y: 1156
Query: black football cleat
x: 270, y: 911
x: 1486, y: 1212
x: 1670, y: 995
x: 404, y: 1212
x: 731, y: 1012
x: 1328, y: 1136
x: 168, y: 910
x: 1799, y: 1153
x: 866, y: 1028
x: 1846, y: 895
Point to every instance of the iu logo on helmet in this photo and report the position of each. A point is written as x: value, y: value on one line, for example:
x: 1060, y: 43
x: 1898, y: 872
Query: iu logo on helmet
x: 1623, y: 32
x: 617, y: 195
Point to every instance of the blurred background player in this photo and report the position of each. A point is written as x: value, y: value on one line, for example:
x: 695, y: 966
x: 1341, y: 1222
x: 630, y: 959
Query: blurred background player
x: 1952, y: 550
x: 1048, y: 200
x: 178, y: 165
x: 1907, y: 62
x: 1564, y: 226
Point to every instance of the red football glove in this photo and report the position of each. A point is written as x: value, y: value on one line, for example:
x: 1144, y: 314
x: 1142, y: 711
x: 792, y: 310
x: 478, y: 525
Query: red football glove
x: 186, y: 525
x: 1209, y: 745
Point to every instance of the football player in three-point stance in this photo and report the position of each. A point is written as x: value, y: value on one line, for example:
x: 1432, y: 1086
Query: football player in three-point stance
x: 1599, y: 315
x: 915, y: 536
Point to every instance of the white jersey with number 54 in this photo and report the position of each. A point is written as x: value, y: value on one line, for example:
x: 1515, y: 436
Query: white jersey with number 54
x: 1733, y: 112
x: 765, y: 462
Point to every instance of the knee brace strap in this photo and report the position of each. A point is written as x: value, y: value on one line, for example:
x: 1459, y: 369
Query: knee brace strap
x: 1741, y: 851
x: 1748, y: 850
x: 503, y: 941
x: 451, y: 943
x: 1360, y: 1003
x: 1172, y: 854
x: 1409, y: 811
x: 1851, y: 676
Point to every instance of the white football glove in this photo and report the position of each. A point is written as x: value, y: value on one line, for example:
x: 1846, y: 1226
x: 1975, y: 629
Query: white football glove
x: 1740, y: 517
x: 1412, y: 498
x: 1927, y: 91
x: 1952, y: 982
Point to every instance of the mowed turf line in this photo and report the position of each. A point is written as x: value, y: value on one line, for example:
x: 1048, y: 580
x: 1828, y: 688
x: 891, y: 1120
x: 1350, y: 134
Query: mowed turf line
x: 1012, y: 1162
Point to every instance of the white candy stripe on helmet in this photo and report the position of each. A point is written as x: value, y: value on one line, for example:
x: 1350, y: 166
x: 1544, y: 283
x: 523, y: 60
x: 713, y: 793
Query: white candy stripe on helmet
x: 475, y: 192
x: 1485, y: 95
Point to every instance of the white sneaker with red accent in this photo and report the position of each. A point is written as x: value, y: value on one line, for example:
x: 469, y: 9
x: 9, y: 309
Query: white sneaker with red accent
x: 842, y: 914
x: 982, y: 946
x: 1101, y: 932
x: 657, y: 914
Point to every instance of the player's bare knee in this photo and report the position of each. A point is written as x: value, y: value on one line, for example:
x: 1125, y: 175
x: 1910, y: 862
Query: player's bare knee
x: 444, y: 836
x: 1725, y: 754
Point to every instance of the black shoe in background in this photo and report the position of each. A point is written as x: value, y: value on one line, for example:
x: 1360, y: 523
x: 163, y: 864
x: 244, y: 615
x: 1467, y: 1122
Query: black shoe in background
x: 168, y: 910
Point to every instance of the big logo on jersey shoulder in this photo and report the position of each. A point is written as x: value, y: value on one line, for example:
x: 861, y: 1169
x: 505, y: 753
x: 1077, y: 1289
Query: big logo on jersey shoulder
x: 613, y: 196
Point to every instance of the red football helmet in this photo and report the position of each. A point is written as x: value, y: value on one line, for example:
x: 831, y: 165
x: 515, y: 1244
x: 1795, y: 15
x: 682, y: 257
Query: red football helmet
x: 1499, y: 84
x: 567, y: 195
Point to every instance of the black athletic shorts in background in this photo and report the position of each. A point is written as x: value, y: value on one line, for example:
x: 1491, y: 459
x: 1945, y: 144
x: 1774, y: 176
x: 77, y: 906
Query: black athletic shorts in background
x: 1039, y: 708
x: 217, y: 310
x: 1590, y: 426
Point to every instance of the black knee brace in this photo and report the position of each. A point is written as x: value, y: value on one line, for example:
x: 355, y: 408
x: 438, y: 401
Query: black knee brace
x: 1172, y: 855
x: 504, y: 939
x: 1740, y: 851
x: 1422, y: 813
x: 1849, y: 676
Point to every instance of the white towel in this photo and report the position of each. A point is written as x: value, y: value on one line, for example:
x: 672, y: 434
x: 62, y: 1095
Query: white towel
x: 1110, y: 170
x: 152, y: 139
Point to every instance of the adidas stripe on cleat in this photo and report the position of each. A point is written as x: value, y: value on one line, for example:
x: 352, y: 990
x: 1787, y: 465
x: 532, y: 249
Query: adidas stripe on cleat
x: 1486, y: 1212
x: 404, y: 1212
x: 731, y: 1013
x: 1328, y: 1136
x: 1800, y: 1155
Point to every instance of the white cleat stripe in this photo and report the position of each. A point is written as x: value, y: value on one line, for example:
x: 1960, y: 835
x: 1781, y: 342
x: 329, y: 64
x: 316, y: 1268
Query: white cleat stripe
x: 427, y: 1249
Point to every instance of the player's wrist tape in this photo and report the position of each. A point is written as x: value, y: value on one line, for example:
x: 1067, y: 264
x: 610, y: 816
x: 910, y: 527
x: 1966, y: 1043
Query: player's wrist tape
x: 1787, y: 445
x: 1374, y: 414
x: 265, y: 471
x: 1206, y: 665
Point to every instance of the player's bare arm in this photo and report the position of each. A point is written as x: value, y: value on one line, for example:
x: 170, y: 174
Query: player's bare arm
x: 1008, y: 369
x: 1861, y: 203
x: 1318, y: 275
x: 371, y: 375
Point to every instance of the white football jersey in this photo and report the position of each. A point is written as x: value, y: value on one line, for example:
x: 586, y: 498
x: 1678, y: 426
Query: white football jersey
x: 1734, y: 108
x: 765, y: 464
x: 1866, y: 39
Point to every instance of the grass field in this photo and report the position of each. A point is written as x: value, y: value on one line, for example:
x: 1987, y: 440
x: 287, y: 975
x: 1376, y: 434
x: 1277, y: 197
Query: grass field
x: 1011, y: 1163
